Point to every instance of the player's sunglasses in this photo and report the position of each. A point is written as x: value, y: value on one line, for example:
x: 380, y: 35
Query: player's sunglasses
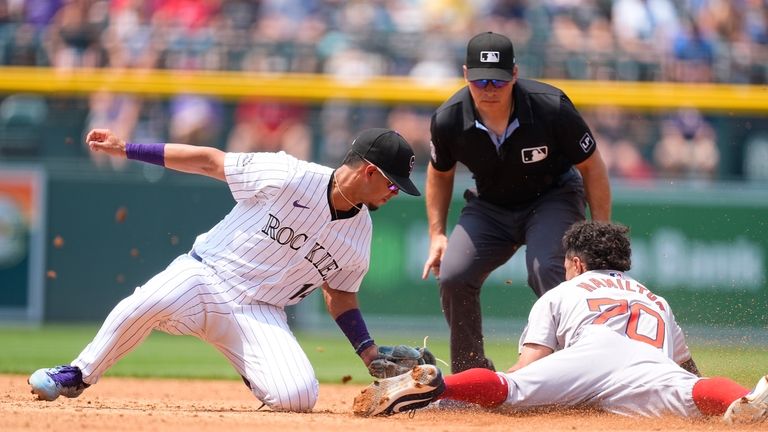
x: 483, y: 83
x: 391, y: 186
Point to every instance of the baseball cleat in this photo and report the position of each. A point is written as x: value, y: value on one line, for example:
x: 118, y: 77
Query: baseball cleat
x: 406, y: 392
x: 50, y: 383
x: 752, y: 408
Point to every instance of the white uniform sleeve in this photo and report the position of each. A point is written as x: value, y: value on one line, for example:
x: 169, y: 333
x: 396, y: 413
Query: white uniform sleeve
x: 542, y: 325
x: 259, y: 175
x: 347, y: 280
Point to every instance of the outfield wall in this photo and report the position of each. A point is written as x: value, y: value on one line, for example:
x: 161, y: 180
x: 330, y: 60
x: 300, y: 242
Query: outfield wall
x: 229, y: 85
x: 703, y: 247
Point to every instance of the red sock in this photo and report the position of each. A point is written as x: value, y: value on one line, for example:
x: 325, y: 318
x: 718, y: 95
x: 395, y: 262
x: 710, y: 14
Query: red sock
x: 479, y: 386
x: 714, y: 395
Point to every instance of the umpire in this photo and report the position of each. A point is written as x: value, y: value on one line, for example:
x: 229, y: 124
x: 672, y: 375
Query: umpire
x: 536, y: 165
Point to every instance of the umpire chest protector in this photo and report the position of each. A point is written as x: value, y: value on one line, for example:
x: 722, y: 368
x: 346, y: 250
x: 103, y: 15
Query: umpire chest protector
x: 549, y: 138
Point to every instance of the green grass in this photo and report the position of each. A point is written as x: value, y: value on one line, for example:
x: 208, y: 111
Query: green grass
x: 164, y: 356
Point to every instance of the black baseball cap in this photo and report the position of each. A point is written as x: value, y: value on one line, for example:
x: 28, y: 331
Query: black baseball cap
x: 391, y: 153
x: 490, y: 56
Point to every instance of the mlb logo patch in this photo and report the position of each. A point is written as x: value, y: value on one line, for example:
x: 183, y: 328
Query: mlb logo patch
x: 587, y: 142
x: 534, y: 154
x: 489, y: 56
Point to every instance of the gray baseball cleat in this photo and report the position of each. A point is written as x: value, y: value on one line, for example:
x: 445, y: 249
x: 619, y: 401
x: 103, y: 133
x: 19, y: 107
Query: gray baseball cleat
x: 406, y: 392
x: 50, y: 383
x: 752, y: 408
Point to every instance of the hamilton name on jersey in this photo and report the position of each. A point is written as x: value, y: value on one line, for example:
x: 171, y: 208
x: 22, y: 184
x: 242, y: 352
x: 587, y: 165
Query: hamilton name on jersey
x: 618, y: 282
x: 318, y: 256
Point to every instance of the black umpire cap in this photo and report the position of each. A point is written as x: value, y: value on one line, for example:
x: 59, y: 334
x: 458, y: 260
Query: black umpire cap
x: 490, y: 56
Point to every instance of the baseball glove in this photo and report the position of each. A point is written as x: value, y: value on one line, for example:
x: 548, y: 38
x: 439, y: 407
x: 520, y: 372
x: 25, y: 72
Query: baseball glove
x: 399, y: 359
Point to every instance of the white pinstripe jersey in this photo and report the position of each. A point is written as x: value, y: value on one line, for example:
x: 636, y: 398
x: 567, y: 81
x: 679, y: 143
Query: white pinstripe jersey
x: 608, y: 298
x: 279, y: 243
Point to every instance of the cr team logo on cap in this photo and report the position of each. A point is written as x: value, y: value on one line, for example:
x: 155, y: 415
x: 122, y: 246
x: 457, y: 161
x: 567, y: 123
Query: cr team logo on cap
x: 489, y: 56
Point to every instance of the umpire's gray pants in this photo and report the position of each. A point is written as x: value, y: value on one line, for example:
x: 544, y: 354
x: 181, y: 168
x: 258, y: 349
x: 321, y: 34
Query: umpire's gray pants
x: 485, y: 237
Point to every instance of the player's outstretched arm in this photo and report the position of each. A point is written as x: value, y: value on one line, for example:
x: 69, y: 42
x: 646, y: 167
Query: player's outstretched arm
x: 206, y: 161
x: 344, y: 308
x: 530, y: 353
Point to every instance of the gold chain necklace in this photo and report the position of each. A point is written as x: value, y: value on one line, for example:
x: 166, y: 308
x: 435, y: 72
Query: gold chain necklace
x: 336, y: 182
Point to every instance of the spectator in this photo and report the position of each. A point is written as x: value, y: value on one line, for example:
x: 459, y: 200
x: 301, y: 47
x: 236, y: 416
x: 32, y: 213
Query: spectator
x: 194, y: 119
x: 567, y: 57
x: 74, y: 36
x: 625, y: 161
x: 348, y: 64
x: 116, y: 112
x: 684, y: 41
x: 512, y: 17
x: 687, y: 147
x: 271, y: 126
x: 131, y: 39
x: 24, y: 46
x: 601, y: 50
x: 40, y: 13
x: 188, y: 26
x: 643, y: 29
x: 693, y: 54
x: 621, y: 39
x: 413, y: 124
x: 434, y: 63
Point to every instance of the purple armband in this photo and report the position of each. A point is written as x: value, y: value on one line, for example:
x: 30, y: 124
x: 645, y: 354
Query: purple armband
x: 352, y: 324
x: 150, y: 153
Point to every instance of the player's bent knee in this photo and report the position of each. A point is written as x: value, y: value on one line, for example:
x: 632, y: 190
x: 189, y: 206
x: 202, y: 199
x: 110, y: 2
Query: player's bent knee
x: 298, y: 399
x: 454, y: 285
x: 545, y: 276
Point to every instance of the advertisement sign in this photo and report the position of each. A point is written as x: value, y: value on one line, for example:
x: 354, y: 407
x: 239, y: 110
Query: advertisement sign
x: 704, y: 251
x: 22, y: 222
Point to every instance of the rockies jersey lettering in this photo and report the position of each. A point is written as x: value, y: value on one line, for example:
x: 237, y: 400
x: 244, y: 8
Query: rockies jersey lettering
x: 280, y: 237
x: 283, y: 235
x: 287, y: 236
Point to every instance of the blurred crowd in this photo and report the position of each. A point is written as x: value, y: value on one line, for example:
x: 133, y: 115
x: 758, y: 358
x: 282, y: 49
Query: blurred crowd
x: 639, y: 40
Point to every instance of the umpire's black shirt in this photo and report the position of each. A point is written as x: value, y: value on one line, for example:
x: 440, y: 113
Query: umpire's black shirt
x: 548, y: 136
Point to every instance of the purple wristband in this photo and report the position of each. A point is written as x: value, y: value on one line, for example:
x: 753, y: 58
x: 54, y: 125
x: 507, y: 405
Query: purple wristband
x: 150, y: 153
x: 352, y: 324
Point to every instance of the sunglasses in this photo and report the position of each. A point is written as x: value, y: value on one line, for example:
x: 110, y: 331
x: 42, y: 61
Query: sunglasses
x: 483, y: 83
x: 391, y: 186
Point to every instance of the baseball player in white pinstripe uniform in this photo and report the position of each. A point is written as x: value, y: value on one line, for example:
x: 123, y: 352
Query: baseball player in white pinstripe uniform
x: 296, y: 226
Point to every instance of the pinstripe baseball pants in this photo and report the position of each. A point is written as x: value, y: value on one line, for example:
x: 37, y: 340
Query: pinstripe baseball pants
x: 189, y: 298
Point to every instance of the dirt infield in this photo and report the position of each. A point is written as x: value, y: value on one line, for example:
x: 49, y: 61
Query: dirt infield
x: 119, y: 404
